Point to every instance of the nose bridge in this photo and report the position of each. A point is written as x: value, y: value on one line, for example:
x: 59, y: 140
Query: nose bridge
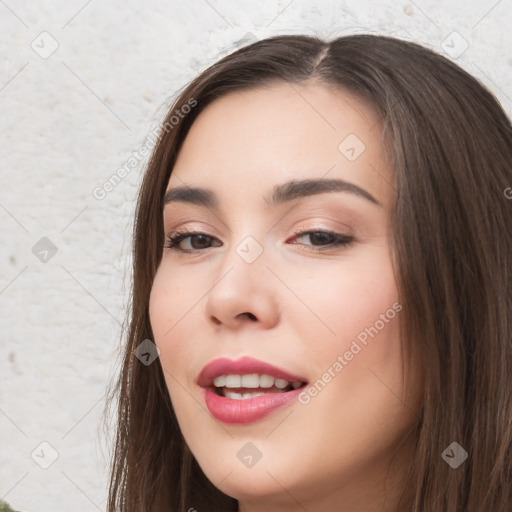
x: 244, y: 285
x: 250, y: 249
x: 244, y: 263
x: 247, y: 239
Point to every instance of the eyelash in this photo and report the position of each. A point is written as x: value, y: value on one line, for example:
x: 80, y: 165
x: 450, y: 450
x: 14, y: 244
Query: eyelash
x: 175, y: 237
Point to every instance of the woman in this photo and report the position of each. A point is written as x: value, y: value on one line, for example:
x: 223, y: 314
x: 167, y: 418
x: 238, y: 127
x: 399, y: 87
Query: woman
x: 322, y: 261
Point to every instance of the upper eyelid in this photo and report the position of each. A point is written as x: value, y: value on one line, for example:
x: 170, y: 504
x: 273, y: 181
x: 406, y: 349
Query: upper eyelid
x: 309, y: 218
x: 312, y: 219
x: 299, y: 230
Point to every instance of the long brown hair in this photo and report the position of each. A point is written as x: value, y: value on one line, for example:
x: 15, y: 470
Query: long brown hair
x: 451, y: 147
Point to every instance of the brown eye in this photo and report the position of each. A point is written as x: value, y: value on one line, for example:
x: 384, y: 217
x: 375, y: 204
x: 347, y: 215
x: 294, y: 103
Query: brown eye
x: 202, y: 241
x: 324, y: 240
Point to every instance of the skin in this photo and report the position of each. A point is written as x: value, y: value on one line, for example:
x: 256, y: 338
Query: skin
x: 307, y: 306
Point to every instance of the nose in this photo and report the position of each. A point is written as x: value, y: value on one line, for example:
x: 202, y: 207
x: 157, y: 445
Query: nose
x: 244, y: 293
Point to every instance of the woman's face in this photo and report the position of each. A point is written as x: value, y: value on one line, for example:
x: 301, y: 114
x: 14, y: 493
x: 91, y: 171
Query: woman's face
x: 321, y: 306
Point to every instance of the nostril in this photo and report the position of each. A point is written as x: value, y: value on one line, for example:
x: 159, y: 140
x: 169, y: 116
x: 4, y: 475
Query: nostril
x: 250, y: 315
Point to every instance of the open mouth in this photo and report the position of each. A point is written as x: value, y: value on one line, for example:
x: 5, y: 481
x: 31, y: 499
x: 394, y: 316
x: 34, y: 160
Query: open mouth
x: 246, y: 390
x: 243, y: 387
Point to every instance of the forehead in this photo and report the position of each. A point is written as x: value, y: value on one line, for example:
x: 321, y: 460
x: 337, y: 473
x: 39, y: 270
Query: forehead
x: 251, y: 140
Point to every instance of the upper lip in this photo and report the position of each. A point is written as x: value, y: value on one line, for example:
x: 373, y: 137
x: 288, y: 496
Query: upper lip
x: 243, y: 366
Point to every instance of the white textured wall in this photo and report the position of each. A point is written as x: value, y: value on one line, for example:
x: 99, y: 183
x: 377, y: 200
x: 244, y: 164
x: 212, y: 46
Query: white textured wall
x: 68, y: 122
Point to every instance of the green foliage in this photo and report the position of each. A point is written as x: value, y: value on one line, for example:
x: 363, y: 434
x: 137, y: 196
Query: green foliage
x: 4, y: 507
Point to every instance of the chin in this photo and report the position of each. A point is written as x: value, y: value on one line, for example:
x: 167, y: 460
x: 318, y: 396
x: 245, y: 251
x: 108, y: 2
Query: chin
x: 265, y: 479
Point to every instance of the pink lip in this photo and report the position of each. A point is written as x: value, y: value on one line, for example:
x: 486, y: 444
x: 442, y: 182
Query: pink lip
x: 248, y: 410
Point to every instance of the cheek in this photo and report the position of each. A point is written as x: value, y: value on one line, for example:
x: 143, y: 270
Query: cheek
x: 358, y: 334
x: 357, y: 388
x: 172, y: 299
x: 370, y: 317
x: 344, y: 300
x: 170, y: 311
x: 170, y: 303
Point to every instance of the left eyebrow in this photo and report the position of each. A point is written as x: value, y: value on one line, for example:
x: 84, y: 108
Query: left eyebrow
x: 285, y: 192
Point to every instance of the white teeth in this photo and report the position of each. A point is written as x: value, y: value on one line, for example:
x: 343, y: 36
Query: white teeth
x: 241, y: 396
x: 219, y: 382
x: 251, y: 381
x: 281, y: 384
x: 251, y: 395
x: 233, y: 381
x: 266, y: 381
x: 233, y: 395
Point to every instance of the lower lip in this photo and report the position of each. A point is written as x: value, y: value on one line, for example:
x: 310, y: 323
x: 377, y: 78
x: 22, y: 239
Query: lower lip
x: 247, y: 410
